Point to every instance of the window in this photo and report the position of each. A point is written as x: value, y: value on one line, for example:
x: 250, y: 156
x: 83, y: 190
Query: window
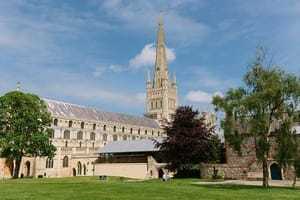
x: 94, y: 126
x: 115, y: 137
x: 131, y: 131
x: 50, y: 133
x: 123, y: 129
x: 70, y: 124
x: 93, y: 145
x: 79, y: 135
x: 152, y: 132
x: 67, y: 134
x: 49, y: 163
x: 82, y: 125
x: 55, y: 122
x: 124, y: 137
x: 158, y: 133
x: 104, y: 137
x: 80, y: 144
x: 66, y: 161
x: 104, y: 128
x: 66, y: 143
x: 92, y: 136
x: 146, y: 132
x: 115, y: 128
x: 139, y: 131
x: 133, y: 137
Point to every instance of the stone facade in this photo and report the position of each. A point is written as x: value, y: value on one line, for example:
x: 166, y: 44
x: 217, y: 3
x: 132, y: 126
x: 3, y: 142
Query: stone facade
x: 161, y: 98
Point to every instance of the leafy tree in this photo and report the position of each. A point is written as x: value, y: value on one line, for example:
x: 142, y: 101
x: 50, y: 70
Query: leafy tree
x: 267, y: 96
x: 189, y: 141
x: 24, y: 121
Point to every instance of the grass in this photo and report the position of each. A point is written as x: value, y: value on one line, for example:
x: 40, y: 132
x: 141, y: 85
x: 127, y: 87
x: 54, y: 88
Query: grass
x: 90, y: 188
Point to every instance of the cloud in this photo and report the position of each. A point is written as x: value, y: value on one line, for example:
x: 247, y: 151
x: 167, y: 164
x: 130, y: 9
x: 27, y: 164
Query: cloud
x: 147, y: 55
x: 199, y: 96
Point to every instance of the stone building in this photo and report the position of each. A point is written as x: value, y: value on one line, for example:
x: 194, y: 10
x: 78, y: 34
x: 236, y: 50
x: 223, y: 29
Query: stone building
x: 161, y: 97
x: 78, y: 132
x: 245, y: 165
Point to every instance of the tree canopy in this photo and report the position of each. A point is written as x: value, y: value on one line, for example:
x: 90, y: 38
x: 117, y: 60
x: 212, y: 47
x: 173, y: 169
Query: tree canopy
x: 24, y: 125
x: 259, y: 108
x: 189, y: 141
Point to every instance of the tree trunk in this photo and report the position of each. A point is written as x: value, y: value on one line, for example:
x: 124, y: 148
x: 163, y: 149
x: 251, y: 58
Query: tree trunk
x: 265, y: 173
x: 17, y: 167
x: 295, y: 177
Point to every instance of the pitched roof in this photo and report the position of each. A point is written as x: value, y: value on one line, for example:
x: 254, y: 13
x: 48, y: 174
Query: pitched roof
x: 68, y: 110
x: 129, y: 146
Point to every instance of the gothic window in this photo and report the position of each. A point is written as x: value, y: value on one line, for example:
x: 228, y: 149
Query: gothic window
x: 92, y: 136
x: 115, y: 137
x: 82, y: 125
x: 55, y: 122
x: 124, y: 137
x: 49, y: 163
x: 79, y: 135
x: 131, y: 131
x: 50, y: 133
x: 67, y: 134
x: 65, y: 161
x: 115, y: 128
x: 94, y: 126
x: 104, y: 137
x: 139, y: 131
x: 123, y: 129
x: 104, y: 128
x: 70, y: 124
x: 79, y: 168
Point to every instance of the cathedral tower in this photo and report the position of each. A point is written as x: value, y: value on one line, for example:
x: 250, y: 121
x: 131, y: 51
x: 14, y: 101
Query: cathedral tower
x: 161, y: 100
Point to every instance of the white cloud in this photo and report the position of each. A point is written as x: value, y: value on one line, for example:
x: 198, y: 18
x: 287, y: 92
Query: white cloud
x: 199, y: 96
x: 147, y: 55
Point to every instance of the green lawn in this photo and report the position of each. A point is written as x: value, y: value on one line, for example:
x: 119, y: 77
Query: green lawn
x: 90, y: 188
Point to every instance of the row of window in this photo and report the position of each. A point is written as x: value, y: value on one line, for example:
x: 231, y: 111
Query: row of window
x: 55, y: 123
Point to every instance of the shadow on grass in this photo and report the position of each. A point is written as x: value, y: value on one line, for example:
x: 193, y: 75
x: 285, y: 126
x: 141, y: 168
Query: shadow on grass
x: 242, y: 187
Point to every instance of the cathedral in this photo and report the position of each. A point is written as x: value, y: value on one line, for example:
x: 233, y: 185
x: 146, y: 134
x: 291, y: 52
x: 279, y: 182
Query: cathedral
x: 78, y: 132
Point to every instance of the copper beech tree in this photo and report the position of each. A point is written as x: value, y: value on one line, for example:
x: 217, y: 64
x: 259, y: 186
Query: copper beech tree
x: 189, y: 141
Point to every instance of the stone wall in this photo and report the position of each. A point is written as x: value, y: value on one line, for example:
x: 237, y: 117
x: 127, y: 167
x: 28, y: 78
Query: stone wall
x: 224, y: 170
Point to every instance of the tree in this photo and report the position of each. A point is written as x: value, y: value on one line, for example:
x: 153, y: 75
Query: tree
x: 24, y: 122
x: 258, y: 107
x: 189, y: 141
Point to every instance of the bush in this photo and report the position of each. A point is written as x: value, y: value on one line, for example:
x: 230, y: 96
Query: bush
x: 190, y: 173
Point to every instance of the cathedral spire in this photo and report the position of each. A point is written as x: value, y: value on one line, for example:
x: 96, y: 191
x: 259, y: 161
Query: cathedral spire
x: 161, y: 64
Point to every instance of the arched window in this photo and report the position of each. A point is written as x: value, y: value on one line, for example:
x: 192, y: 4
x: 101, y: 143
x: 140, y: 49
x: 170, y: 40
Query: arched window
x: 104, y: 137
x: 124, y: 137
x: 152, y: 132
x: 55, y: 122
x: 145, y: 132
x: 66, y: 143
x: 49, y: 163
x: 82, y: 125
x: 104, y: 128
x: 70, y: 124
x: 79, y: 135
x: 123, y: 129
x: 79, y: 168
x: 80, y: 144
x: 66, y: 161
x: 92, y: 136
x: 131, y: 131
x: 50, y: 132
x: 139, y: 131
x: 94, y: 126
x: 66, y: 134
x: 115, y: 137
x: 84, y: 170
x: 115, y: 128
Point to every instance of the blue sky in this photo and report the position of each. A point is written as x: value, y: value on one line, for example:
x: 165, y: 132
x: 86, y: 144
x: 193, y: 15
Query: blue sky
x: 96, y: 52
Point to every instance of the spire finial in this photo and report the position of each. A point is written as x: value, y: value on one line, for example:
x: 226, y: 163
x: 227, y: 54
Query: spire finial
x: 18, y: 86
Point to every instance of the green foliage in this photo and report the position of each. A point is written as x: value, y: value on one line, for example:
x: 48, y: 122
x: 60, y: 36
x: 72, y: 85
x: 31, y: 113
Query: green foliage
x: 269, y: 95
x: 24, y: 120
